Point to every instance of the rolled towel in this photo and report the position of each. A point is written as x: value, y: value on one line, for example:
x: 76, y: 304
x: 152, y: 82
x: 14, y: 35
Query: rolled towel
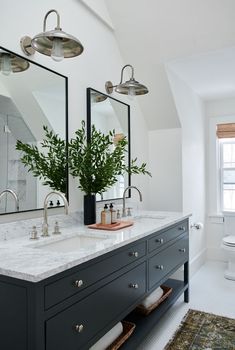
x: 153, y: 297
x: 108, y: 338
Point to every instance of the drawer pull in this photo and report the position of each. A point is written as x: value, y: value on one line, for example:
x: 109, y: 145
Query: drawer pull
x: 181, y: 228
x: 135, y: 254
x: 133, y: 285
x: 79, y: 328
x: 160, y: 240
x: 182, y: 250
x: 160, y: 267
x: 78, y: 283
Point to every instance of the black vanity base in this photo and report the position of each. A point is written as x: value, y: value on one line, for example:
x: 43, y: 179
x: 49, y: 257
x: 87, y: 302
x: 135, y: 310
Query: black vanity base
x: 75, y: 308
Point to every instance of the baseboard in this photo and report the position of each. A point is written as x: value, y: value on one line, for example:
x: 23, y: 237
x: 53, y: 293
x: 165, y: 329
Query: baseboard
x: 197, y: 262
x: 215, y: 254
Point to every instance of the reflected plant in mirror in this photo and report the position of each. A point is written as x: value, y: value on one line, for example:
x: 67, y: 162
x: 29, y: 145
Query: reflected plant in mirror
x: 31, y: 96
x: 50, y: 165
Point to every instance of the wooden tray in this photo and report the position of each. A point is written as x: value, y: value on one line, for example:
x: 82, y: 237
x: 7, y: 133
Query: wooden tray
x: 112, y: 227
x: 128, y: 328
x: 145, y: 311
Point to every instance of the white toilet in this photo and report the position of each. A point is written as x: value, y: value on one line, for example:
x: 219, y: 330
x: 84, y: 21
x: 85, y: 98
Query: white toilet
x: 228, y: 245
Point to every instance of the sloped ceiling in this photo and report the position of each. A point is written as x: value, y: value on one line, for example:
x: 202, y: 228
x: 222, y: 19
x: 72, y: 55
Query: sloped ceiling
x: 154, y: 32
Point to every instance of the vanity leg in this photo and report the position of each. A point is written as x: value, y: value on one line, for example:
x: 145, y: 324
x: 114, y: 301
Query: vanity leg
x: 186, y: 280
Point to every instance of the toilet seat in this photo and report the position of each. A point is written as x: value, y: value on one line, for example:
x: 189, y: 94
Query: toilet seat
x: 229, y: 241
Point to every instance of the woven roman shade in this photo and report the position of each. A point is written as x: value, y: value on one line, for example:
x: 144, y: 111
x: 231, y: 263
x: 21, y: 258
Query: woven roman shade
x: 225, y: 130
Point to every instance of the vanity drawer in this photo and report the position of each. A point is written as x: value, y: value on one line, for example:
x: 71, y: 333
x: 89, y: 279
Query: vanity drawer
x: 74, y: 327
x: 163, y: 237
x: 65, y: 287
x: 162, y: 263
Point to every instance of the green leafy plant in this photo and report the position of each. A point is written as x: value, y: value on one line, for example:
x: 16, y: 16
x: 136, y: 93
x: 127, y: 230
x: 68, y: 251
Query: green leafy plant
x: 98, y: 162
x: 51, y: 166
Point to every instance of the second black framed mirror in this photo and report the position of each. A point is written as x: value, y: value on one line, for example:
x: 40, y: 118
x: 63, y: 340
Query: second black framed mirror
x: 108, y: 113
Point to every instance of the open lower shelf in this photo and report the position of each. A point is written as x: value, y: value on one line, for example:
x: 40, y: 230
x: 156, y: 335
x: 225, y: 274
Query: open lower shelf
x: 144, y: 324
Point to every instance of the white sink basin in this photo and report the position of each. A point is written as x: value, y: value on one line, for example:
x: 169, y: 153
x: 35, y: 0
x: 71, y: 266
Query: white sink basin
x: 150, y: 217
x: 72, y: 244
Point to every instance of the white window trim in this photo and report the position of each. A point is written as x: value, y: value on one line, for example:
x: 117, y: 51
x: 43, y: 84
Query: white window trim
x: 221, y: 161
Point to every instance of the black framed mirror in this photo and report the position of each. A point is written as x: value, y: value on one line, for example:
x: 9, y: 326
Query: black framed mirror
x: 108, y: 113
x: 31, y: 96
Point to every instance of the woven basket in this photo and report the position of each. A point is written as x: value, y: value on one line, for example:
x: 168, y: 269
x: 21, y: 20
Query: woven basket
x: 145, y: 311
x: 128, y: 328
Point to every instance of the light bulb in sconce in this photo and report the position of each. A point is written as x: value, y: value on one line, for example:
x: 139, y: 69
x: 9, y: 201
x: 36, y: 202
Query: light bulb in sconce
x: 131, y: 93
x: 57, y: 52
x: 6, y: 64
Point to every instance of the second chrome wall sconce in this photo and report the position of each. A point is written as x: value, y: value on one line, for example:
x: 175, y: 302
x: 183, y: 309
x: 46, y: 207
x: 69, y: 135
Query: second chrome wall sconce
x: 130, y: 87
x: 55, y: 43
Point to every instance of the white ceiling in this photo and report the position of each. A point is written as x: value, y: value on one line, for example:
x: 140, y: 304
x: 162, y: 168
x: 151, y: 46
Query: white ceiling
x: 211, y: 76
x: 151, y: 33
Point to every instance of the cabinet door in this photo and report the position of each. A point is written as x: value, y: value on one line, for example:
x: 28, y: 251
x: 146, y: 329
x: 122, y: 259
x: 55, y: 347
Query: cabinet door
x: 58, y: 291
x: 165, y: 261
x: 13, y: 317
x: 72, y: 328
x: 163, y: 237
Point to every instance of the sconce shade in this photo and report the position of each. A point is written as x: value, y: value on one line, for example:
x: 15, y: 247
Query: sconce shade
x: 43, y: 43
x: 55, y: 43
x: 96, y: 97
x: 17, y: 64
x: 131, y: 87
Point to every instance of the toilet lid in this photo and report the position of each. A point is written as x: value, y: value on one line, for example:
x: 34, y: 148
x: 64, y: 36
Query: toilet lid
x: 229, y: 240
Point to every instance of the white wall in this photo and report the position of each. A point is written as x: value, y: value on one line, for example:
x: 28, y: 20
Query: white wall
x: 192, y: 117
x: 100, y: 61
x: 217, y: 112
x: 165, y: 152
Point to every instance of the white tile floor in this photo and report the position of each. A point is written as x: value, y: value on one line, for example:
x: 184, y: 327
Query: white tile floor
x: 209, y: 291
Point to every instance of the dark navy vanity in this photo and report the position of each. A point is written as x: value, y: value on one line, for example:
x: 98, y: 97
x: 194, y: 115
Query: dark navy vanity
x: 73, y: 309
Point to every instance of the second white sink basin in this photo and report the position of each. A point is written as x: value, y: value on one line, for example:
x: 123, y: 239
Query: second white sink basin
x: 150, y: 217
x: 72, y: 244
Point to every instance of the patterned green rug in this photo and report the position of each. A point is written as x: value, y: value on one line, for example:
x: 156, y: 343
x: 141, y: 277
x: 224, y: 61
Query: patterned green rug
x: 203, y: 331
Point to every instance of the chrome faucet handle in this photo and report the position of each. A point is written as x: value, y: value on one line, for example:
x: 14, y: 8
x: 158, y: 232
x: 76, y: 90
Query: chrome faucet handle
x: 34, y: 233
x: 118, y: 214
x: 56, y: 229
x: 129, y: 211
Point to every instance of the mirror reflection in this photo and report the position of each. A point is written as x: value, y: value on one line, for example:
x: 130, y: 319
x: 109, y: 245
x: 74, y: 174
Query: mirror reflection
x: 108, y: 113
x: 31, y: 96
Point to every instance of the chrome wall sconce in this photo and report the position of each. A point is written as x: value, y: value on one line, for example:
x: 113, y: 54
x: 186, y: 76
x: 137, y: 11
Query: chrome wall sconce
x: 130, y: 87
x: 10, y: 63
x: 55, y: 43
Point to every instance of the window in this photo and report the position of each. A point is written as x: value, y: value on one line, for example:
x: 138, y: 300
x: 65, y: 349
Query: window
x: 227, y: 173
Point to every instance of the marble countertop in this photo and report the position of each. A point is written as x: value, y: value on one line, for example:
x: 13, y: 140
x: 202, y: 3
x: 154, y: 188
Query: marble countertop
x: 31, y: 261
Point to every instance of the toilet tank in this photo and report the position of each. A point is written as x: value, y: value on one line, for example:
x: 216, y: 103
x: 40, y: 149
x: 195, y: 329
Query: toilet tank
x: 229, y: 225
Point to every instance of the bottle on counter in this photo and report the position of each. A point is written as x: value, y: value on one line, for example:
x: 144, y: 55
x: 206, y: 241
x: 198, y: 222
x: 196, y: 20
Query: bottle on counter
x: 105, y: 216
x: 113, y: 213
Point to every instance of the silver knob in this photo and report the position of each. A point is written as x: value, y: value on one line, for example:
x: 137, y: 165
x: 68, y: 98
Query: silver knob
x: 133, y: 285
x: 78, y: 283
x: 160, y: 267
x: 79, y: 328
x: 182, y: 250
x: 160, y: 240
x: 181, y: 228
x: 135, y: 254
